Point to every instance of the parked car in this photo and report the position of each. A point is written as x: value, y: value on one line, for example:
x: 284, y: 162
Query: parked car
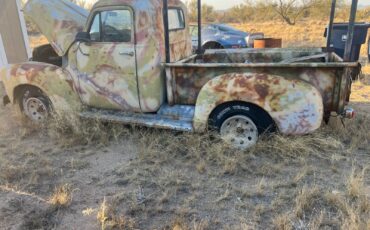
x: 115, y: 69
x: 221, y: 36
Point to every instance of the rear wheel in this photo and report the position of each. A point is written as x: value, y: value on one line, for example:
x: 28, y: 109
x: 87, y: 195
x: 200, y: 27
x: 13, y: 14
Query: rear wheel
x: 34, y: 105
x: 241, y: 125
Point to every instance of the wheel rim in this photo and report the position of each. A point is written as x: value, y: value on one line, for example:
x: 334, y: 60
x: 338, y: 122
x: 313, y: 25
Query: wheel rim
x: 239, y: 131
x: 35, y: 109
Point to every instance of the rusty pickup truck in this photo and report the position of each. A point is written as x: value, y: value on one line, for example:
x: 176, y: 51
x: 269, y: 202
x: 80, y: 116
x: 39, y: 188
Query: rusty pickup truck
x: 110, y: 64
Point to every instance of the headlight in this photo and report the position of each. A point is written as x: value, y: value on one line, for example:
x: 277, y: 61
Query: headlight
x: 247, y: 41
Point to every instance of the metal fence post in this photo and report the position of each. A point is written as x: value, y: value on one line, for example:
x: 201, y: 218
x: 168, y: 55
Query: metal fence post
x: 351, y: 29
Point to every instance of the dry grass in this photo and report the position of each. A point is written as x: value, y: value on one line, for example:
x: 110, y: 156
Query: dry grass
x: 62, y: 196
x: 110, y: 219
x: 304, y: 34
x: 284, y: 182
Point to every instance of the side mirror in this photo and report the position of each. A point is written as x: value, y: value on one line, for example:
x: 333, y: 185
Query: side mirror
x: 83, y: 37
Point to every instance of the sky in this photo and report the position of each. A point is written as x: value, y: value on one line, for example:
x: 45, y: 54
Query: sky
x: 222, y: 4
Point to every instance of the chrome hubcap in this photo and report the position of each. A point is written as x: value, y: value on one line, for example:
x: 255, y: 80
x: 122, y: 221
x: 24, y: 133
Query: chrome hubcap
x: 35, y: 109
x: 239, y: 131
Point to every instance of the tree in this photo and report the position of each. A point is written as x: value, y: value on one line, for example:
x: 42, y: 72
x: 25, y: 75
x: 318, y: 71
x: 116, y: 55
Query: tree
x: 208, y: 12
x: 240, y: 13
x: 291, y: 10
x: 84, y: 3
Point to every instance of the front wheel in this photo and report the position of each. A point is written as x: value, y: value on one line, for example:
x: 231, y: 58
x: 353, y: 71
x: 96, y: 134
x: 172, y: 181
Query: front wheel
x: 34, y: 105
x: 241, y: 125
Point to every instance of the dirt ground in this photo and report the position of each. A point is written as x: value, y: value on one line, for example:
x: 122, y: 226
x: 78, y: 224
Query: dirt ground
x: 104, y: 176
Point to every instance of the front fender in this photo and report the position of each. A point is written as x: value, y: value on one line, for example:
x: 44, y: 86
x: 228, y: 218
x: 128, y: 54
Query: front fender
x: 55, y: 83
x: 294, y: 105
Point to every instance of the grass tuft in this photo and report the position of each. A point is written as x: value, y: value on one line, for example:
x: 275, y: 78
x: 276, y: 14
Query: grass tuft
x: 62, y: 196
x: 109, y: 218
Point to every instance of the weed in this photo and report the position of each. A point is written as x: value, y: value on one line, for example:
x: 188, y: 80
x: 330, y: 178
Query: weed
x: 62, y: 196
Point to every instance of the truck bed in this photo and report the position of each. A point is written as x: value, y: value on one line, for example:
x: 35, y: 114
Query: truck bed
x: 324, y: 70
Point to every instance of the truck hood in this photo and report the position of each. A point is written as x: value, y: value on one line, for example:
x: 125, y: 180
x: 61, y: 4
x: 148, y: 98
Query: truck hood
x: 58, y: 20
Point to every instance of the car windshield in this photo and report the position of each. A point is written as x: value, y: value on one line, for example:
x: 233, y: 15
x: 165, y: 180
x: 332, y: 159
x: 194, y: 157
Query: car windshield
x: 211, y: 29
x: 226, y: 28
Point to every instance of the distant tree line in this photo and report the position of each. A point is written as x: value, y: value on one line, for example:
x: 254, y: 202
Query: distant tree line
x: 288, y: 11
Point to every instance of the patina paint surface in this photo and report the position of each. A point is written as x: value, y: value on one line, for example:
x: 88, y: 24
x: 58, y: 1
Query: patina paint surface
x: 185, y: 79
x: 297, y: 93
x: 187, y: 82
x: 55, y: 82
x: 317, y: 88
x: 108, y: 80
x: 58, y: 20
x: 104, y: 78
x: 295, y: 106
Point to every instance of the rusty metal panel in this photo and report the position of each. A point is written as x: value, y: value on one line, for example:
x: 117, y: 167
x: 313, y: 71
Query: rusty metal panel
x: 13, y: 32
x: 323, y: 80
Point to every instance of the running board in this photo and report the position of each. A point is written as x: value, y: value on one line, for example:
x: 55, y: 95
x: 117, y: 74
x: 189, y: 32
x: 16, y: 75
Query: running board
x: 178, y: 118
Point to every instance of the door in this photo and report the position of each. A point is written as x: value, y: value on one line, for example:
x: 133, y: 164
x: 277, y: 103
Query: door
x: 107, y: 64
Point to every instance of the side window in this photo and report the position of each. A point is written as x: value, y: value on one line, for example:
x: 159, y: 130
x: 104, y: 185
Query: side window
x: 176, y: 19
x: 112, y: 26
x: 95, y: 29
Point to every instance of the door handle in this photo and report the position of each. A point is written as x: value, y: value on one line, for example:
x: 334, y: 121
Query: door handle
x: 131, y: 54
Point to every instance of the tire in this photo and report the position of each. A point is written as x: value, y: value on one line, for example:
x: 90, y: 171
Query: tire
x: 34, y: 105
x: 240, y: 124
x: 212, y: 45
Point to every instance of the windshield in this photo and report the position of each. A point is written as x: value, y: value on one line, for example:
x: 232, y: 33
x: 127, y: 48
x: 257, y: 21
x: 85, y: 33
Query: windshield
x: 226, y: 28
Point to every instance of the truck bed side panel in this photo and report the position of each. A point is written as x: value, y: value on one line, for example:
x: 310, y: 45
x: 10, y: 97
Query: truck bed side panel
x: 187, y: 82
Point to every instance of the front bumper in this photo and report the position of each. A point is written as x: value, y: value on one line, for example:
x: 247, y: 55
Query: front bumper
x: 3, y: 95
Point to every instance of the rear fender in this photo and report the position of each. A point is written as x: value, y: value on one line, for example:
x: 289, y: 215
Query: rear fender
x: 294, y: 105
x: 52, y: 80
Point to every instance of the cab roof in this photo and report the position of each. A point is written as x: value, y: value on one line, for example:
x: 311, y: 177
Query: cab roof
x: 142, y: 4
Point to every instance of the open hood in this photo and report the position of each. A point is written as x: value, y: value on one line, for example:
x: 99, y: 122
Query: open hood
x: 58, y: 20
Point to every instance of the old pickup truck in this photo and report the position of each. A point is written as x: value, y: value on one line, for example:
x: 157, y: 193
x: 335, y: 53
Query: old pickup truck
x: 112, y: 67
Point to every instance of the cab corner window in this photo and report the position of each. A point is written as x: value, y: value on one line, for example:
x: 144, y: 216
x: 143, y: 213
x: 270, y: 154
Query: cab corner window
x: 176, y: 19
x: 112, y: 26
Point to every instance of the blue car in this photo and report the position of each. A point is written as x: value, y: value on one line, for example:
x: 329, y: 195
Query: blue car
x: 219, y: 36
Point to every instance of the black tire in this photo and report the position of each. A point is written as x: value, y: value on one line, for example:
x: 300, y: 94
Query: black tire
x: 261, y: 118
x: 212, y: 45
x: 29, y: 93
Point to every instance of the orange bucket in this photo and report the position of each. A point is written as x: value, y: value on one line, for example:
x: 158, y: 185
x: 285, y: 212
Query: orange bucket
x: 268, y: 43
